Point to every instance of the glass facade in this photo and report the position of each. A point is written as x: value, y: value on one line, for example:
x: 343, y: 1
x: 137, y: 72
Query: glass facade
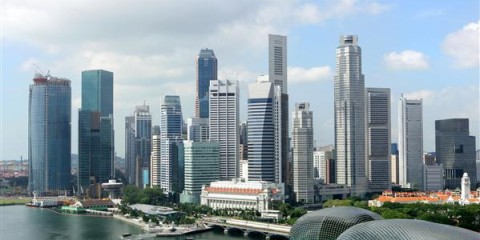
x: 49, y: 135
x: 206, y: 64
x: 171, y: 122
x: 406, y: 229
x: 95, y: 129
x: 455, y: 149
x: 329, y: 223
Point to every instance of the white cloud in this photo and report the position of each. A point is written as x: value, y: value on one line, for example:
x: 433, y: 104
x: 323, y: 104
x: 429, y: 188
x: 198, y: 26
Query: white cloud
x: 463, y: 45
x: 406, y: 60
x: 314, y: 74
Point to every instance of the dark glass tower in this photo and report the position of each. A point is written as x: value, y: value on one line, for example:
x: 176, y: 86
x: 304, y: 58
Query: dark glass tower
x: 206, y: 64
x: 455, y: 149
x: 95, y: 129
x: 49, y: 134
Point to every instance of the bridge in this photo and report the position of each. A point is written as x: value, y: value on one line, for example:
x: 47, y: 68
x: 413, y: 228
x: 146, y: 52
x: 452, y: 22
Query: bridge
x: 267, y: 229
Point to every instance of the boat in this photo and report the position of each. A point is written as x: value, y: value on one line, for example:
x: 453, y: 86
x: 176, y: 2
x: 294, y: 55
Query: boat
x: 126, y: 235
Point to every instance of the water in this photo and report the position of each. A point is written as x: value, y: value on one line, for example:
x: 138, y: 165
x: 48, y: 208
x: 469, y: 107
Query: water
x: 20, y: 222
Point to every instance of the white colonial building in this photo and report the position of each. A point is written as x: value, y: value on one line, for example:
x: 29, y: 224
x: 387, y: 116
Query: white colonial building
x: 240, y: 194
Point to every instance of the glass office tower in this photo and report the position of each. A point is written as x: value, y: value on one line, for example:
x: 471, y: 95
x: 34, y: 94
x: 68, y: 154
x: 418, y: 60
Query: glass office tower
x: 95, y: 129
x: 206, y: 64
x: 49, y: 134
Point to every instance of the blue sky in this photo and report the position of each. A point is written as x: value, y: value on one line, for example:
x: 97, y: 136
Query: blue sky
x: 424, y: 49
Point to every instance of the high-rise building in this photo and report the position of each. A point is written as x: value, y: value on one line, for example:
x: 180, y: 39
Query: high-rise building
x: 378, y: 139
x: 95, y: 129
x: 410, y: 143
x: 432, y: 177
x: 223, y: 120
x: 455, y: 149
x: 324, y: 164
x: 197, y: 129
x: 171, y: 122
x: 302, y: 145
x: 155, y: 157
x: 206, y: 64
x: 130, y: 160
x: 394, y: 163
x: 264, y: 128
x: 49, y: 134
x: 201, y: 167
x: 277, y: 61
x: 349, y: 110
x: 277, y: 64
x: 243, y: 147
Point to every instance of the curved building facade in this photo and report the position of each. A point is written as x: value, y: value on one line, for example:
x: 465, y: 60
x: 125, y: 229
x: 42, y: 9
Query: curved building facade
x: 49, y: 134
x: 329, y: 223
x: 406, y: 229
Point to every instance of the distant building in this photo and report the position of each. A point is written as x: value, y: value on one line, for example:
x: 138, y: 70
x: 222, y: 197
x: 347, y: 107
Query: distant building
x: 155, y: 158
x: 394, y: 163
x: 244, y: 169
x: 171, y: 167
x: 429, y: 158
x: 201, y: 167
x: 410, y: 143
x: 223, y: 120
x: 324, y: 164
x: 277, y: 74
x: 433, y: 177
x: 349, y: 111
x: 49, y: 134
x: 378, y: 139
x: 264, y: 124
x: 206, y: 64
x: 138, y: 126
x: 302, y: 146
x: 243, y: 147
x: 455, y: 149
x: 197, y: 129
x: 323, y: 191
x: 95, y: 130
x: 237, y: 194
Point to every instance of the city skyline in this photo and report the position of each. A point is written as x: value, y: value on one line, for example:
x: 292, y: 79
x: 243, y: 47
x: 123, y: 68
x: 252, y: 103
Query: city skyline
x: 444, y: 76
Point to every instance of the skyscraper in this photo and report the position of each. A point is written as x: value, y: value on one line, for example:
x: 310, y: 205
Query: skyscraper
x: 224, y: 119
x: 349, y: 110
x: 155, y: 158
x: 378, y: 139
x: 140, y: 127
x: 206, y: 64
x: 201, y: 167
x: 171, y: 122
x: 130, y: 163
x: 410, y: 143
x: 49, y: 134
x: 277, y: 61
x: 302, y: 145
x: 264, y: 131
x: 277, y: 64
x: 455, y: 149
x: 95, y: 129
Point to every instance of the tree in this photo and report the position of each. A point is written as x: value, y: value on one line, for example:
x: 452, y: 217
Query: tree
x: 393, y: 214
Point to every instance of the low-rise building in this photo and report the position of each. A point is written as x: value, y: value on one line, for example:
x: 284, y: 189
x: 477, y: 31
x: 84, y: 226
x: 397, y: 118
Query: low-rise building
x: 241, y: 194
x: 325, y: 192
x: 164, y: 213
x: 440, y: 197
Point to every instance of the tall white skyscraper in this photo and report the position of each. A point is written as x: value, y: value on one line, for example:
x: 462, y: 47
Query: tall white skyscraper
x: 277, y: 70
x: 155, y: 160
x: 378, y: 139
x: 349, y: 106
x: 264, y: 131
x: 224, y: 118
x: 410, y: 143
x: 302, y: 145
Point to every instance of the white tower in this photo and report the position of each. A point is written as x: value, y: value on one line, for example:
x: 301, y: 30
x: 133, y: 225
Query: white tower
x: 465, y: 188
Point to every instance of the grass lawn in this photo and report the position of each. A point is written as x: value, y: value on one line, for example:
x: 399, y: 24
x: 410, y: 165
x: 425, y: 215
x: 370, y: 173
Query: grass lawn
x: 13, y: 201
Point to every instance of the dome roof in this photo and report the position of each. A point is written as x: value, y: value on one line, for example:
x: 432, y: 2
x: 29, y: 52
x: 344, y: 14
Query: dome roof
x: 329, y: 223
x: 406, y: 229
